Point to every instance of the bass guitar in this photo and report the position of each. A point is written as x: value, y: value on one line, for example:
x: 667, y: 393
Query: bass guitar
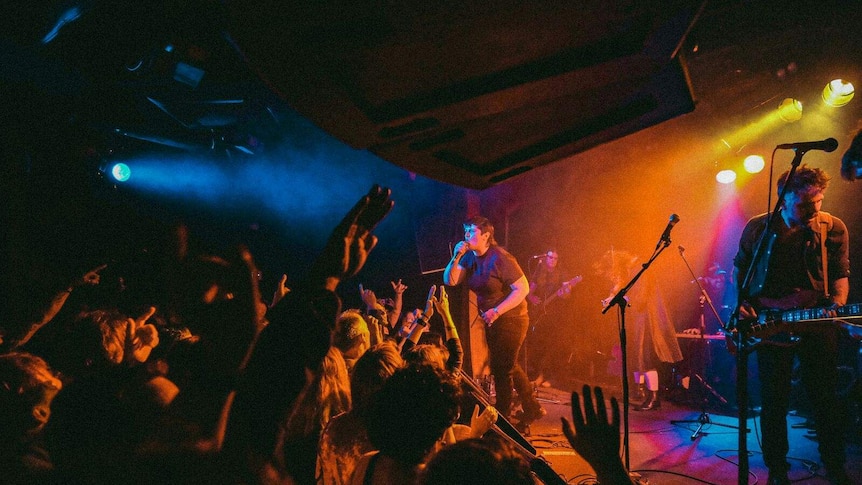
x: 775, y: 322
x: 540, y: 309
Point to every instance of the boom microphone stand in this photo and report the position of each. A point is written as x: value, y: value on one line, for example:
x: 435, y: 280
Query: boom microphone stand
x: 741, y: 329
x: 703, y: 419
x: 620, y: 301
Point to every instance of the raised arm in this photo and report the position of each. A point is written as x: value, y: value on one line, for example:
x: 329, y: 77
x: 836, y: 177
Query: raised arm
x: 453, y: 342
x: 281, y: 290
x: 90, y: 278
x: 297, y: 336
x: 596, y: 439
x: 425, y: 318
x: 397, y: 303
x: 352, y: 240
x: 454, y: 272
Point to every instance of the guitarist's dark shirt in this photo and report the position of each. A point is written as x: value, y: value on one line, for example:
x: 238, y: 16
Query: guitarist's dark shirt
x: 793, y: 257
x: 547, y: 283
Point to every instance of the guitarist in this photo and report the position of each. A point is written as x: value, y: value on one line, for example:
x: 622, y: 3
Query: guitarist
x: 544, y: 347
x: 805, y: 265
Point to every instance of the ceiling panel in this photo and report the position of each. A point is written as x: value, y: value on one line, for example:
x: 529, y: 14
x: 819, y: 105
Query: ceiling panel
x: 473, y: 93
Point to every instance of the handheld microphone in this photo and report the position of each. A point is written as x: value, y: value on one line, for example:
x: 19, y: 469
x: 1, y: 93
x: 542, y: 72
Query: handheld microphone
x: 827, y: 145
x: 539, y: 256
x: 665, y: 236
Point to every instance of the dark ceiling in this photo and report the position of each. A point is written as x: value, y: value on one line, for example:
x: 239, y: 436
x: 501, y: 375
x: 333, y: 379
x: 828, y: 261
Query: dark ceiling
x: 469, y: 93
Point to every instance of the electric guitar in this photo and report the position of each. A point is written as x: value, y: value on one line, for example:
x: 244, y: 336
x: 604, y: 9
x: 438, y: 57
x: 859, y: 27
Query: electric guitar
x: 540, y: 309
x: 774, y: 322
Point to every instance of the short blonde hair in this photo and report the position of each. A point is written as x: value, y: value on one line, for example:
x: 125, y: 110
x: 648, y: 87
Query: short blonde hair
x: 350, y: 327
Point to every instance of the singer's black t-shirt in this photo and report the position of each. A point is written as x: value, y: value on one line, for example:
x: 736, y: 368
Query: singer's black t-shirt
x: 491, y: 275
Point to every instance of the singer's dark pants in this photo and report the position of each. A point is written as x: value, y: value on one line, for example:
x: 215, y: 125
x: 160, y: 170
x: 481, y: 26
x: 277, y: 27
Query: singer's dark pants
x: 505, y: 338
x: 818, y: 358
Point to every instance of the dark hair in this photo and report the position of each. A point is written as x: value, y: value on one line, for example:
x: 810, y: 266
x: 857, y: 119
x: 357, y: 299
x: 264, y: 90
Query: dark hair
x: 484, y: 225
x: 411, y: 411
x: 805, y: 178
x: 478, y: 460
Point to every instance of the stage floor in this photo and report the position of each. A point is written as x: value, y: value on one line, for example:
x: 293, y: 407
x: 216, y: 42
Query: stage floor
x: 665, y: 453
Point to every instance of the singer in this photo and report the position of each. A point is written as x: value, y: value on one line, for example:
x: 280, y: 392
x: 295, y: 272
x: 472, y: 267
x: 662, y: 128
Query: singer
x: 795, y: 275
x: 501, y: 288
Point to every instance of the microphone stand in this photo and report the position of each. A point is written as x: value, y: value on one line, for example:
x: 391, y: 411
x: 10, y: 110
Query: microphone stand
x: 504, y: 429
x: 620, y: 301
x: 741, y: 329
x: 704, y: 418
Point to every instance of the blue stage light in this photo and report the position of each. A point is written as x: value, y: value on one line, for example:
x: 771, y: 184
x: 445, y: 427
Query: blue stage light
x: 121, y: 172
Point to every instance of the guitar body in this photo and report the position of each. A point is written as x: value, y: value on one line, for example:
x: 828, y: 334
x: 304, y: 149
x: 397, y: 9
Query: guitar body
x: 539, y: 310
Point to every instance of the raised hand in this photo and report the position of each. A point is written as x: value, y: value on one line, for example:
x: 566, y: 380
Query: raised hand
x: 369, y: 298
x: 90, y: 278
x: 143, y: 336
x: 351, y: 241
x: 441, y: 303
x: 429, y: 303
x: 461, y: 248
x: 481, y: 423
x: 593, y: 437
x: 375, y: 333
x: 281, y: 290
x: 399, y: 287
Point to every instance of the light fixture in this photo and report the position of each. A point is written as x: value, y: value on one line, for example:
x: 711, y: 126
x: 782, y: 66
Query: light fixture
x: 838, y: 93
x: 790, y: 110
x: 121, y: 172
x: 725, y: 176
x: 753, y: 163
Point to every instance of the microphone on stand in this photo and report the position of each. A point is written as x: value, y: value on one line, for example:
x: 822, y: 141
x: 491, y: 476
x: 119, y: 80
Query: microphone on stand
x: 665, y: 236
x: 827, y: 145
x: 539, y: 256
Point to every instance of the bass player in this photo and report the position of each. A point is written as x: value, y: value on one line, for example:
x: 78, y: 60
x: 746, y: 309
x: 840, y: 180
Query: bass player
x: 806, y: 265
x: 546, y: 349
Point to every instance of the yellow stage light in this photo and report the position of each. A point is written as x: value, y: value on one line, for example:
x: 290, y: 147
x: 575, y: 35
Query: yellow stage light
x: 790, y: 110
x: 838, y: 93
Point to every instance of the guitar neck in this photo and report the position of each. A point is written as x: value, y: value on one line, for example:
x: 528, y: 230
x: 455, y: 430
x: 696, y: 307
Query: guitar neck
x: 553, y: 296
x: 777, y: 321
x: 802, y: 315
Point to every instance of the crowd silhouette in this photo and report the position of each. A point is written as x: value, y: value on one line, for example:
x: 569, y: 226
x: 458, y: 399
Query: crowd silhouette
x: 204, y: 382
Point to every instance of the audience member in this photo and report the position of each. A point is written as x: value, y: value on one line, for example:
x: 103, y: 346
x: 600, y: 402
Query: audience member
x: 407, y: 420
x: 345, y: 439
x: 16, y: 336
x: 351, y: 336
x: 292, y: 346
x: 27, y: 388
x: 477, y: 460
x: 326, y: 396
x: 594, y: 438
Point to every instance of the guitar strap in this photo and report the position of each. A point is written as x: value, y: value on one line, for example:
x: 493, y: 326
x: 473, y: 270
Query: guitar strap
x: 824, y: 220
